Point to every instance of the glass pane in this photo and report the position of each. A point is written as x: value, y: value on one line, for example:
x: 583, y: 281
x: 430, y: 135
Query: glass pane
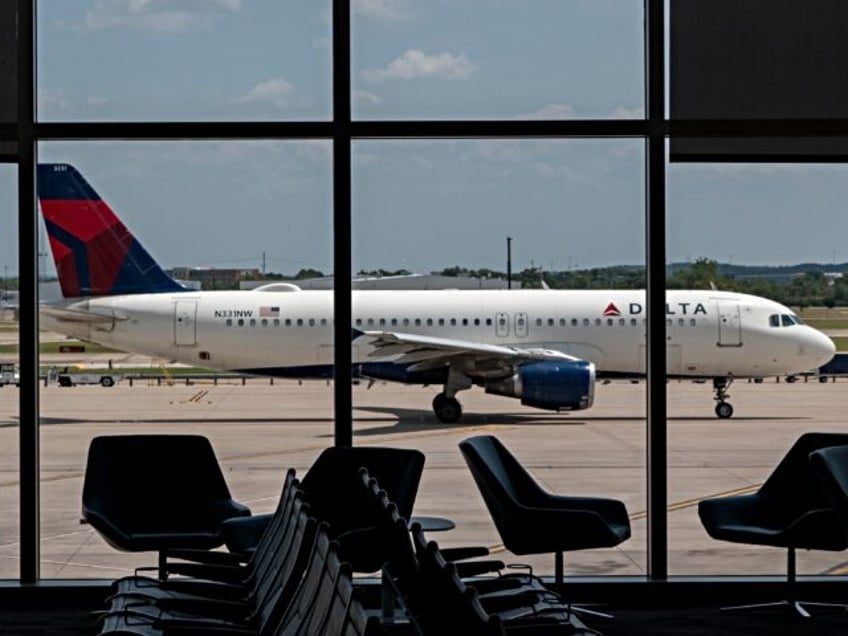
x: 495, y: 60
x: 208, y: 61
x: 772, y: 231
x: 441, y: 215
x: 9, y: 358
x: 219, y: 215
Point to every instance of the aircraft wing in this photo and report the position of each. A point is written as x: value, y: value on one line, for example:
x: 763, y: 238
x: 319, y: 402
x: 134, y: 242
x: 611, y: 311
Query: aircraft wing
x: 473, y: 358
x: 64, y: 314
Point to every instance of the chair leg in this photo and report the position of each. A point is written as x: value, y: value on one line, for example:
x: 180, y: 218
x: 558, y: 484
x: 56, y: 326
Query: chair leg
x: 790, y: 603
x: 558, y: 580
x: 558, y: 569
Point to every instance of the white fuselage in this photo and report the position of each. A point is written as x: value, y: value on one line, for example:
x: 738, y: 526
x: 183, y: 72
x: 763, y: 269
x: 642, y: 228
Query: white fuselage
x: 709, y: 333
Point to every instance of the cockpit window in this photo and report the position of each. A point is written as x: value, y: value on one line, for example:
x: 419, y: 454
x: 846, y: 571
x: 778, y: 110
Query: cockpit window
x: 784, y: 320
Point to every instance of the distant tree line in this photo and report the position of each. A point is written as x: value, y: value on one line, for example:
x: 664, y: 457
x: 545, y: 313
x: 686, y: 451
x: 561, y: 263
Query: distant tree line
x: 788, y: 285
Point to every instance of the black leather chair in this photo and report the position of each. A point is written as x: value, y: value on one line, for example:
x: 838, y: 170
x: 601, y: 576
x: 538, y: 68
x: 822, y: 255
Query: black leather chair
x: 333, y: 487
x: 156, y: 492
x: 831, y: 464
x: 790, y: 510
x: 533, y: 521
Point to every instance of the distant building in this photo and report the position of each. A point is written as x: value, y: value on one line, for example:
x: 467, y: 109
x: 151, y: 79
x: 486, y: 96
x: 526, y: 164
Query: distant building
x: 213, y: 277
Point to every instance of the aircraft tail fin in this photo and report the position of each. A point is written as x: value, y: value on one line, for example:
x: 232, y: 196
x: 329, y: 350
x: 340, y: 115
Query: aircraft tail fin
x: 94, y: 252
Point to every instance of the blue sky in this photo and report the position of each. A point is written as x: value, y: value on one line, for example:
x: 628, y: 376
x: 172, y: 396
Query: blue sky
x: 420, y: 205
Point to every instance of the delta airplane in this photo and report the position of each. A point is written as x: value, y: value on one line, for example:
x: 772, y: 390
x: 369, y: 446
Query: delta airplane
x: 544, y: 347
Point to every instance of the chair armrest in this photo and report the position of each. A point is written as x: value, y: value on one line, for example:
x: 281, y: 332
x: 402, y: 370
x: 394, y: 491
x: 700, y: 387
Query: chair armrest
x: 242, y: 534
x: 211, y: 557
x: 464, y: 552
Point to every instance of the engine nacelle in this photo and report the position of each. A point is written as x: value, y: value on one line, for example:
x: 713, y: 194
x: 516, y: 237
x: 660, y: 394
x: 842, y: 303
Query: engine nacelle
x: 550, y: 384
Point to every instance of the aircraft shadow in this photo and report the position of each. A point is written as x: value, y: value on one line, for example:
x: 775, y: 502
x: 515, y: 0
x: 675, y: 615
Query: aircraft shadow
x: 407, y: 420
x: 414, y: 420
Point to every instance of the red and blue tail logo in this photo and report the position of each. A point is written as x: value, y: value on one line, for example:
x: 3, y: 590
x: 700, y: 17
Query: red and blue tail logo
x: 94, y: 252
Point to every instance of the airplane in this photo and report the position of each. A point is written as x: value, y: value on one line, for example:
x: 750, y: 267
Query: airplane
x: 545, y: 347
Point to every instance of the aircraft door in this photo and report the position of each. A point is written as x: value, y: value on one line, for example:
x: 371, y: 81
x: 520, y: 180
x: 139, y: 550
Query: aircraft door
x: 729, y: 324
x: 185, y: 323
x: 522, y: 325
x: 501, y: 325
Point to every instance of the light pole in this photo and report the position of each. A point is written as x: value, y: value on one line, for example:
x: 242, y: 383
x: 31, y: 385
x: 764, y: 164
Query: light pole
x: 509, y: 262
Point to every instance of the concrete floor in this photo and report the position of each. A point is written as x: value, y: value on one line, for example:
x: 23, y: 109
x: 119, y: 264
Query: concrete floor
x: 260, y: 429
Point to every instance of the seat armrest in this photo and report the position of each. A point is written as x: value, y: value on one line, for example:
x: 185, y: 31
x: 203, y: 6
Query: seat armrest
x: 242, y: 534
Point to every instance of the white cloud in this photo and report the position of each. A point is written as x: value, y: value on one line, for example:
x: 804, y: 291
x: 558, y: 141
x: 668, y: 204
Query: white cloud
x: 628, y: 113
x: 163, y: 16
x: 414, y: 64
x: 387, y: 10
x: 366, y: 99
x: 276, y: 92
x: 551, y: 111
x: 96, y: 101
x: 53, y: 100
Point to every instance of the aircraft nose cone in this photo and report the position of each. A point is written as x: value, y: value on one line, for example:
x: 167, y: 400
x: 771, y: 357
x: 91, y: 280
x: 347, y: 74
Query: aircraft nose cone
x: 820, y: 347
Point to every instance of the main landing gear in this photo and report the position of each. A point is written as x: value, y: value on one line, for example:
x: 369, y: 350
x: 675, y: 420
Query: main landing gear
x: 723, y: 408
x: 447, y: 408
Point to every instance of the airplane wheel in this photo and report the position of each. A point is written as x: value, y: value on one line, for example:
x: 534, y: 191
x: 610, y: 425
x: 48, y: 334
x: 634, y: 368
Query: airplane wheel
x: 723, y: 410
x: 447, y: 409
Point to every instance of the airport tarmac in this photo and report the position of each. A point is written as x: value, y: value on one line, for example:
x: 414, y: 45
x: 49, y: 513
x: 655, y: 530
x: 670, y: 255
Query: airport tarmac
x: 259, y: 429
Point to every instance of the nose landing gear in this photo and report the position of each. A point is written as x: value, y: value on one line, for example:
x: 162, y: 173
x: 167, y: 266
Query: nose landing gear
x: 723, y: 408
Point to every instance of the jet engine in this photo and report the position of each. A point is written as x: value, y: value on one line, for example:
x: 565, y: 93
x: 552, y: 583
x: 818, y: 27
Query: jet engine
x: 550, y: 384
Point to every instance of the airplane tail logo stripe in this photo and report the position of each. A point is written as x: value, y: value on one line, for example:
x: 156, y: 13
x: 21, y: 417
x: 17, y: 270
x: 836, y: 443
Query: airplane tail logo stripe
x: 94, y: 252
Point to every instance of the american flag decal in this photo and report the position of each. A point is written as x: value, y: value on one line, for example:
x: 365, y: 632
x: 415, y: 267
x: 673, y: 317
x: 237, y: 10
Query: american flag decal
x: 269, y: 312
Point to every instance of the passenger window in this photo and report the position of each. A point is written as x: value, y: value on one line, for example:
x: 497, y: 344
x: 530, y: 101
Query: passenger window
x: 253, y: 322
x: 300, y: 322
x: 609, y: 322
x: 312, y: 322
x: 680, y: 322
x: 538, y: 322
x: 288, y: 322
x: 692, y: 322
x: 418, y: 322
x: 276, y: 322
x: 633, y: 322
x: 453, y: 322
x: 621, y: 322
x: 488, y: 322
x: 241, y: 322
x: 476, y: 322
x: 229, y: 322
x: 382, y: 322
x: 574, y: 322
x: 370, y: 322
x: 406, y: 322
x: 441, y: 322
x: 394, y: 322
x: 585, y: 322
x: 323, y: 322
x: 429, y: 322
x: 264, y: 322
x: 598, y: 322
